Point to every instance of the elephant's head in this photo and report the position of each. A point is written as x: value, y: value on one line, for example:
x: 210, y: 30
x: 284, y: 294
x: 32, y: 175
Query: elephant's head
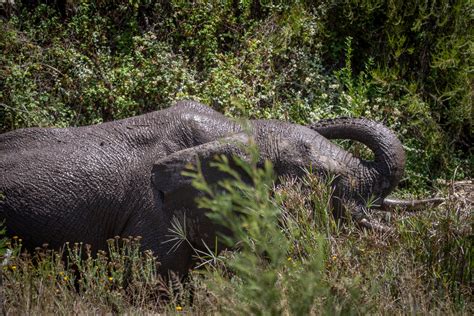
x: 368, y: 180
x: 292, y: 149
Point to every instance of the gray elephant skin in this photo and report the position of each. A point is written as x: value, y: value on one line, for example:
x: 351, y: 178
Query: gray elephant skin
x: 123, y: 178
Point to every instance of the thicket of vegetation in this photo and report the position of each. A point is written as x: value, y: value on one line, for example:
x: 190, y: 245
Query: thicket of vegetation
x: 406, y: 63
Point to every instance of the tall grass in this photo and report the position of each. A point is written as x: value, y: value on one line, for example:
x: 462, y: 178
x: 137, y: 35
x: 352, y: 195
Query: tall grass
x: 285, y: 255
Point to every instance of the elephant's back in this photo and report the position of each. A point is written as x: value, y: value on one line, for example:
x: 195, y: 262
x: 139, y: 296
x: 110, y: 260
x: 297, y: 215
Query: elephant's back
x: 35, y: 155
x: 30, y: 138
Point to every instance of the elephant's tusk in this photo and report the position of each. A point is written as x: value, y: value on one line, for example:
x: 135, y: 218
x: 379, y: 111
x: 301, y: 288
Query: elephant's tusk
x: 389, y: 204
x: 376, y: 226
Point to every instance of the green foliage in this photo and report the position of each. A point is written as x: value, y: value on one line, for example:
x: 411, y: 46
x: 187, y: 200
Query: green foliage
x: 290, y: 257
x: 370, y: 95
x: 70, y: 81
x: 279, y: 266
x: 422, y: 47
x: 408, y: 64
x: 3, y: 239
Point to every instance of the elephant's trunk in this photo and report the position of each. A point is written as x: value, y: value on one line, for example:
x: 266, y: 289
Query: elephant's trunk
x: 389, y: 155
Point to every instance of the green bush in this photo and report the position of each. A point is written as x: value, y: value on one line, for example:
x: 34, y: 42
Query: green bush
x: 289, y: 257
x: 422, y: 52
x: 279, y: 266
x: 407, y: 64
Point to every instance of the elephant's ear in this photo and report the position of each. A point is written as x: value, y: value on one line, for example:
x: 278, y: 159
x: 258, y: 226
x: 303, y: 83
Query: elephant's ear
x: 167, y: 173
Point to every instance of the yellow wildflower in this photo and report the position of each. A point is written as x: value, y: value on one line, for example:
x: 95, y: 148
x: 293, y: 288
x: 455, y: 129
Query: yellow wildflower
x: 179, y: 308
x: 13, y: 267
x: 111, y: 278
x: 334, y: 257
x: 289, y: 259
x: 66, y: 278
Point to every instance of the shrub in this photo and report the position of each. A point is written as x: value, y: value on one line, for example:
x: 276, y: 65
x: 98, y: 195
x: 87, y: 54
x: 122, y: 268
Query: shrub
x: 290, y: 256
x: 420, y: 49
x: 406, y: 64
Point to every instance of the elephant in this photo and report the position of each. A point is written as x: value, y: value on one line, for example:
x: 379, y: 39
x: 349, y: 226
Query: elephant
x: 124, y: 178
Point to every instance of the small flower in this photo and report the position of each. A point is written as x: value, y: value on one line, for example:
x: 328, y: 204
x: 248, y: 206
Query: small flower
x: 111, y: 279
x: 15, y: 237
x: 61, y: 273
x: 289, y: 259
x: 66, y: 278
x: 334, y: 257
x: 13, y: 267
x: 178, y: 308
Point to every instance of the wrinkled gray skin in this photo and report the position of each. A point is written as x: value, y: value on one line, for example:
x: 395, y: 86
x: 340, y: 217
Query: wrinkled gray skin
x: 124, y: 177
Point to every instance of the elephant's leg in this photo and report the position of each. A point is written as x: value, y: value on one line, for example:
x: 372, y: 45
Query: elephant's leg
x: 153, y: 226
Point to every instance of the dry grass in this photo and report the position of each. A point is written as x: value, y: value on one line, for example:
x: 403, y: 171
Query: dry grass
x: 425, y: 267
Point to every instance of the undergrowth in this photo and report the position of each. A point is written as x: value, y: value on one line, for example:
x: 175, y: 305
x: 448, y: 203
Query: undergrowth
x: 285, y: 255
x: 407, y: 64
